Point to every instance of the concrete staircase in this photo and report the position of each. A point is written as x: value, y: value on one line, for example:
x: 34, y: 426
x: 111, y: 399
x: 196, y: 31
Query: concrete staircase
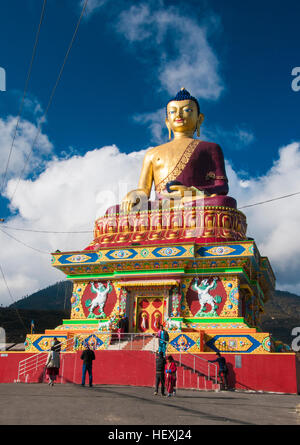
x: 190, y: 379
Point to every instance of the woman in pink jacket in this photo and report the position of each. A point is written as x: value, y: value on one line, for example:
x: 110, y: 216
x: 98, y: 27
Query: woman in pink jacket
x: 170, y: 370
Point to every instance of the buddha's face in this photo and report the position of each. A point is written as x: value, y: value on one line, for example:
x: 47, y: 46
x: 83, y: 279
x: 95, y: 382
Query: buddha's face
x: 182, y: 116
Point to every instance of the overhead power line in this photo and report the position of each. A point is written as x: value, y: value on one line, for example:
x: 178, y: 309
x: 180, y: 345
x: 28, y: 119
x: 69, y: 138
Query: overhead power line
x: 45, y: 231
x: 91, y: 231
x: 24, y: 244
x: 24, y: 93
x: 11, y: 297
x: 50, y: 99
x: 269, y: 200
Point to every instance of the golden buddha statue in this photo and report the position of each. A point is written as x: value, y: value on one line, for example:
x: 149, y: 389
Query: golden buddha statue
x: 191, y: 189
x: 183, y: 167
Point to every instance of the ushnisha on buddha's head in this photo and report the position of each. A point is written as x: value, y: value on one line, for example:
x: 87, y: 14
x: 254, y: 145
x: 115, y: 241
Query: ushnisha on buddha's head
x: 183, y: 115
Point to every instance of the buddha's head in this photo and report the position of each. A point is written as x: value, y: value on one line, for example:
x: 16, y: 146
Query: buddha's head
x: 183, y: 115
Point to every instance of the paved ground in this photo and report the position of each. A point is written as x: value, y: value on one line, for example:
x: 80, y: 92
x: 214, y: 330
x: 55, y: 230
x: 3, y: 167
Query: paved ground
x: 39, y: 404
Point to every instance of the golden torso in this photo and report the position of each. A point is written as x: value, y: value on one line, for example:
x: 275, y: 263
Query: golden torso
x: 161, y: 160
x: 183, y: 119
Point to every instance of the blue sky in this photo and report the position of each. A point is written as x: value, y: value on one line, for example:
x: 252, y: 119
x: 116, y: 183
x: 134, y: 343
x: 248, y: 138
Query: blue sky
x: 108, y: 80
x: 129, y: 58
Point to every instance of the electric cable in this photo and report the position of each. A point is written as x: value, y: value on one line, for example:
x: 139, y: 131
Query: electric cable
x: 50, y: 99
x: 45, y: 231
x: 24, y: 92
x: 24, y: 244
x: 269, y: 200
x: 11, y: 297
x: 91, y: 231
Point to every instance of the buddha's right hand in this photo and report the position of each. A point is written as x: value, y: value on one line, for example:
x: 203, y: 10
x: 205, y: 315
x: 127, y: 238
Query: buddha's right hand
x: 133, y: 198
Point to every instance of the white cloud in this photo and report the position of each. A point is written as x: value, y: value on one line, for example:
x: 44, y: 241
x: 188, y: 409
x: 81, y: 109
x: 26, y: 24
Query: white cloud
x: 92, y: 6
x: 22, y: 146
x: 275, y: 225
x: 31, y: 106
x: 67, y: 196
x: 185, y: 57
x: 155, y: 122
x: 178, y: 52
x: 71, y: 193
x: 237, y: 138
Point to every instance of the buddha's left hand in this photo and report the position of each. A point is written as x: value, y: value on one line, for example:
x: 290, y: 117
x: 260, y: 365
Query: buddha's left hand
x: 181, y: 190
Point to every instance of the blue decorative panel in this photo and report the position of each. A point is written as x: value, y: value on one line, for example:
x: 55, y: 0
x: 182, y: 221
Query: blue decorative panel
x: 217, y: 251
x: 78, y: 259
x: 121, y: 254
x: 182, y: 342
x: 168, y: 252
x: 93, y: 341
x: 43, y: 343
x: 253, y: 344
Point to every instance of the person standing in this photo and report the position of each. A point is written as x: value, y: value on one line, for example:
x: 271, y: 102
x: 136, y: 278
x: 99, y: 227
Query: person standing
x: 122, y: 327
x: 87, y: 356
x: 126, y: 324
x: 171, y: 376
x: 163, y: 337
x: 223, y: 370
x: 160, y: 373
x: 52, y: 365
x: 56, y: 345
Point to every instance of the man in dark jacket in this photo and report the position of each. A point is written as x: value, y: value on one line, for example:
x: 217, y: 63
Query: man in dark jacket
x: 223, y: 370
x: 87, y: 356
x: 160, y: 373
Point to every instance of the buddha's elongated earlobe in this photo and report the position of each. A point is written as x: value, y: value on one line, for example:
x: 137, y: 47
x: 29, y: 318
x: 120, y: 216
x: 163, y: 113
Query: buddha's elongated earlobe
x: 169, y: 129
x: 199, y: 122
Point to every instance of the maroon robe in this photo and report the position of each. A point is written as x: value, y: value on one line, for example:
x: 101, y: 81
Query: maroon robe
x: 202, y: 166
x: 171, y: 370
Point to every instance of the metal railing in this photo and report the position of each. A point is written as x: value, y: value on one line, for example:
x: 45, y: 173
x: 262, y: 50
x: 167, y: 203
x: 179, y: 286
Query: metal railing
x: 196, y: 364
x: 38, y: 360
x: 131, y: 341
x: 121, y: 341
x: 199, y: 365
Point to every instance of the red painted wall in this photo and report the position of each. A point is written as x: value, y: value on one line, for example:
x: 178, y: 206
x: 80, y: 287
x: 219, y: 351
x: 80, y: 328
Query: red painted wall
x: 273, y: 372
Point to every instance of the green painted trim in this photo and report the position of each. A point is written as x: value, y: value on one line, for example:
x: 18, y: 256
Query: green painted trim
x: 127, y: 273
x: 215, y: 270
x: 247, y: 278
x: 212, y: 320
x: 81, y: 321
x: 184, y: 320
x: 164, y: 271
x: 249, y: 326
x: 255, y: 282
x: 161, y: 272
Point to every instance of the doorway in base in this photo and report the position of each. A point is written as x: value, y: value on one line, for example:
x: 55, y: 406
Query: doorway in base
x: 149, y: 314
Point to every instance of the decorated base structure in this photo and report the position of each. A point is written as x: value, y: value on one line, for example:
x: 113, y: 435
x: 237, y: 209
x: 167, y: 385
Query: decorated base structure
x: 209, y: 295
x: 191, y: 268
x: 182, y: 260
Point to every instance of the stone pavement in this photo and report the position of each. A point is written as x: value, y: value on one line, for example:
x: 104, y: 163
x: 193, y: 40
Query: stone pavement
x: 68, y: 404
